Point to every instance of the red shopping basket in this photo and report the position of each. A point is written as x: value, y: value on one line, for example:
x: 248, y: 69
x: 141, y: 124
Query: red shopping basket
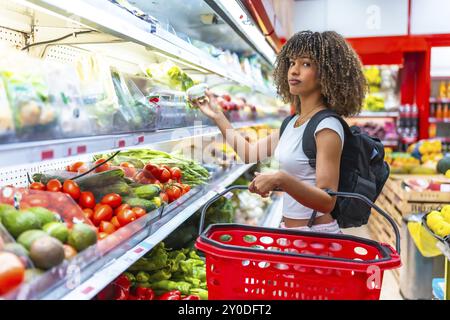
x: 255, y: 263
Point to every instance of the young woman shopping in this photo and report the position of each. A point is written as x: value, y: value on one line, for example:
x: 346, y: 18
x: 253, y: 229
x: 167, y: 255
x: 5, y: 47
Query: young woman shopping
x: 314, y: 71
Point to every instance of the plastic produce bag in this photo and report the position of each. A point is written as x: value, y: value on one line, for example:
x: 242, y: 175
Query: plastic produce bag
x: 97, y: 90
x: 6, y: 120
x: 424, y: 241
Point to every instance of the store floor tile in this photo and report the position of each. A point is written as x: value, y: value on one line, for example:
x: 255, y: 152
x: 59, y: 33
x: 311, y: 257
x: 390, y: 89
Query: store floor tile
x: 389, y: 288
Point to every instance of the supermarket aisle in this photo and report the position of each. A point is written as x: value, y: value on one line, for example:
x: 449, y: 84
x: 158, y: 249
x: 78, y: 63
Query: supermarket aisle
x: 389, y: 289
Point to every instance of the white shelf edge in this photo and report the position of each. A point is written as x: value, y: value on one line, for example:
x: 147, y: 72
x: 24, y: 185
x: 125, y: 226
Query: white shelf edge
x: 105, y: 275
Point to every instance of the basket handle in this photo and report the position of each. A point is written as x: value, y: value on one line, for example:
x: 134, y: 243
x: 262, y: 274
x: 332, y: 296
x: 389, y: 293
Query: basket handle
x: 214, y: 199
x: 328, y: 191
x: 374, y: 206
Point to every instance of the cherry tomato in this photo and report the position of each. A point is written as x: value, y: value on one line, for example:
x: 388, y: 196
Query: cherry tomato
x: 102, y: 213
x: 75, y: 166
x: 186, y: 188
x: 72, y: 189
x: 173, y: 193
x: 114, y: 200
x: 12, y: 272
x: 122, y: 207
x: 115, y: 222
x: 87, y: 200
x: 104, y: 167
x: 37, y: 186
x: 164, y: 175
x: 164, y: 197
x: 126, y: 216
x: 176, y: 173
x: 102, y: 235
x: 83, y: 169
x: 96, y: 206
x: 54, y: 185
x: 106, y: 227
x: 60, y: 201
x: 88, y: 213
x: 139, y: 212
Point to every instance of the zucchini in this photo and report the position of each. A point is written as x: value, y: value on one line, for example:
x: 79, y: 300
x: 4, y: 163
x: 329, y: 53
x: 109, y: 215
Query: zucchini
x: 148, y: 191
x: 100, y: 179
x: 120, y: 187
x: 147, y: 205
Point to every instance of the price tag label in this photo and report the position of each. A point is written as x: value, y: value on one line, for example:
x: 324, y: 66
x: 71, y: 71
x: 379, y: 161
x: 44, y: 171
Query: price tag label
x: 81, y: 149
x: 47, y: 154
x: 121, y: 143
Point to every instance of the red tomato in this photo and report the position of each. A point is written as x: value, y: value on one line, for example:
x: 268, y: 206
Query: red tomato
x: 102, y: 213
x: 37, y: 200
x: 72, y: 189
x: 164, y: 175
x: 176, y: 173
x: 102, y: 235
x: 87, y: 200
x: 164, y: 197
x: 54, y: 185
x: 122, y: 207
x: 106, y: 227
x: 173, y: 192
x: 77, y: 165
x: 59, y: 201
x: 83, y: 169
x: 12, y: 272
x: 104, y: 167
x: 114, y: 200
x: 37, y: 186
x: 139, y: 212
x: 96, y: 206
x: 88, y: 213
x: 115, y: 222
x: 126, y: 216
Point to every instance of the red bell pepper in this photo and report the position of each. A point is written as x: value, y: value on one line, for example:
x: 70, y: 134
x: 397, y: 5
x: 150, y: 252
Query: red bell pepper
x: 123, y: 281
x: 171, y: 295
x: 121, y: 293
x: 191, y: 297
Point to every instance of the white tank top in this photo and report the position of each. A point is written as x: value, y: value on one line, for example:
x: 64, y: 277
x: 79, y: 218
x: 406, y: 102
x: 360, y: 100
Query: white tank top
x: 292, y: 159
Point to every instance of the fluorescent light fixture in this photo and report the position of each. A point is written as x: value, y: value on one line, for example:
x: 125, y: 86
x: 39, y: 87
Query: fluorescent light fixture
x: 238, y: 15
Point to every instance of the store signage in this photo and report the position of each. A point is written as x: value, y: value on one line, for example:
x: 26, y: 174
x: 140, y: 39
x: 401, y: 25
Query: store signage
x: 430, y: 16
x: 362, y: 18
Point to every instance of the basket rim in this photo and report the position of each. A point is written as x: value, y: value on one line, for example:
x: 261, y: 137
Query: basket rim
x: 383, y: 249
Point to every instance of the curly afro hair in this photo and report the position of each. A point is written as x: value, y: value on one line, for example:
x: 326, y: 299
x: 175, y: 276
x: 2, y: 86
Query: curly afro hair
x: 342, y: 81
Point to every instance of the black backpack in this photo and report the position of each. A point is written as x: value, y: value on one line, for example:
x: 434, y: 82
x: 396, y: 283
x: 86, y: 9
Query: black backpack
x: 363, y: 169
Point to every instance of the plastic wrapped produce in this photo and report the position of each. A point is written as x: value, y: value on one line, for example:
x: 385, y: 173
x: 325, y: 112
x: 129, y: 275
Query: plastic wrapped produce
x: 6, y: 119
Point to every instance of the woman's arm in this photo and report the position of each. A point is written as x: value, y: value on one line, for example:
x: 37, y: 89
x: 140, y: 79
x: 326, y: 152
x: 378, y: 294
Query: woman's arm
x: 329, y: 150
x: 248, y: 152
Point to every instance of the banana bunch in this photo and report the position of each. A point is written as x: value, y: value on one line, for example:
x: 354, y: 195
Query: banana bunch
x: 373, y: 103
x: 439, y: 221
x: 373, y: 76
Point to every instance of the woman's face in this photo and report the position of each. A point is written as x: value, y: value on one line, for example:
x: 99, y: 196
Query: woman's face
x: 302, y: 76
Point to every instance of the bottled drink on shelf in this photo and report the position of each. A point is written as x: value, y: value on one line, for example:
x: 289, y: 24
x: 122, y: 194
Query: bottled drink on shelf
x: 442, y: 90
x: 414, y: 116
x: 448, y: 90
x: 432, y: 109
x: 446, y: 112
x: 439, y: 113
x: 432, y: 130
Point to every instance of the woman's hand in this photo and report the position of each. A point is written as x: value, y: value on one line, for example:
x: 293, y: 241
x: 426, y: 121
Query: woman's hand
x: 208, y: 106
x: 264, y: 183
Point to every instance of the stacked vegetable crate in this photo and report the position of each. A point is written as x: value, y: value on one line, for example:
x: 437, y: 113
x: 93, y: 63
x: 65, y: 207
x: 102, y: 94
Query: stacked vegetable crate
x: 398, y: 202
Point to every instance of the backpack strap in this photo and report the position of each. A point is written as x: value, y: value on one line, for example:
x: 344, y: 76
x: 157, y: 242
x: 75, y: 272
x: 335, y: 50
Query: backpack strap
x: 309, y: 140
x: 286, y: 122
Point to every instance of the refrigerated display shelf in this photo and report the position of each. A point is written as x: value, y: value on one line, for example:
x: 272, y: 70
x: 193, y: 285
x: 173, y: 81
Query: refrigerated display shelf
x: 37, y: 151
x: 439, y: 100
x: 110, y: 19
x: 105, y: 269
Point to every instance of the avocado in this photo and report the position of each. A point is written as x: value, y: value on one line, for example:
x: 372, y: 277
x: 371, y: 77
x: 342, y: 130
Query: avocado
x: 57, y: 230
x: 27, y: 238
x: 47, y: 252
x: 82, y: 236
x: 17, y: 222
x: 44, y: 215
x: 5, y: 208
